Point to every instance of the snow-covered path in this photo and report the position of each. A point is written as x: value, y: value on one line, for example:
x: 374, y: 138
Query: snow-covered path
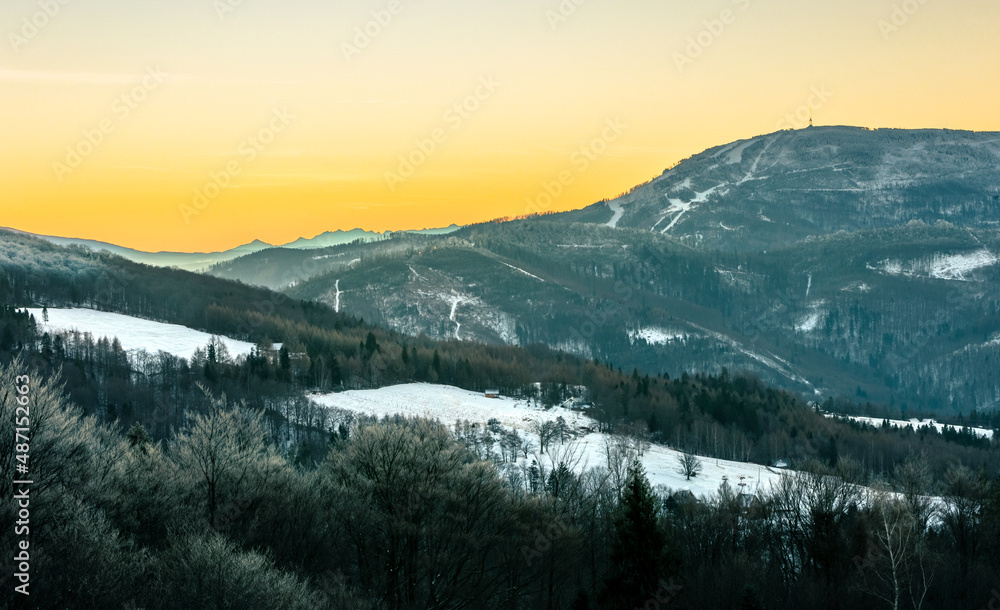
x: 454, y: 308
x: 619, y: 212
x: 336, y: 301
x: 756, y: 162
x: 523, y: 271
x: 680, y: 207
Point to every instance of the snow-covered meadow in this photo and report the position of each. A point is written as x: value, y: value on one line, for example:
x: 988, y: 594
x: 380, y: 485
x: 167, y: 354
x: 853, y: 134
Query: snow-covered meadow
x: 587, y: 450
x: 135, y: 333
x: 915, y: 423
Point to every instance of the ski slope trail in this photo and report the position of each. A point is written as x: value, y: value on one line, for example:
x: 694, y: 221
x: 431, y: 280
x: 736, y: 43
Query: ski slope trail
x: 619, y: 212
x: 454, y: 309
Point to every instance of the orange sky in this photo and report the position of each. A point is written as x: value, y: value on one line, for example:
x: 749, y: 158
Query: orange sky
x: 204, y: 124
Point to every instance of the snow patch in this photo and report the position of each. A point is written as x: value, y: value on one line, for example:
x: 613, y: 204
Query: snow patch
x: 810, y: 322
x: 658, y: 336
x: 856, y: 287
x: 954, y: 267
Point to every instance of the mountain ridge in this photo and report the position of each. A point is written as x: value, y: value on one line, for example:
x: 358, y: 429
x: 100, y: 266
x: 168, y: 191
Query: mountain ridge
x: 777, y: 189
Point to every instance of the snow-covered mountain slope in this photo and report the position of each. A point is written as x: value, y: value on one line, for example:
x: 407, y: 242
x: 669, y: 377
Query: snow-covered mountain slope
x: 135, y: 333
x: 777, y: 189
x: 585, y: 450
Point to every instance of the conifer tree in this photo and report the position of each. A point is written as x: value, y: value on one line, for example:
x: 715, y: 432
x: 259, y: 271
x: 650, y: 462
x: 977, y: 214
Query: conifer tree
x: 636, y: 547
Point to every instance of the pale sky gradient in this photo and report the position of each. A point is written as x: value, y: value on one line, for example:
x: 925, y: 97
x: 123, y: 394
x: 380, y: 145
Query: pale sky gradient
x: 556, y: 89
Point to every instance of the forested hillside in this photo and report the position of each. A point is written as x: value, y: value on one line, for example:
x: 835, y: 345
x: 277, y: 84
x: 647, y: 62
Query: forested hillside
x: 164, y: 482
x: 824, y: 318
x: 398, y: 514
x: 831, y: 261
x: 324, y: 350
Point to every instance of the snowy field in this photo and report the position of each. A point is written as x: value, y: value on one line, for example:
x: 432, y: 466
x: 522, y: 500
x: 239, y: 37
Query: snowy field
x: 135, y: 333
x: 449, y: 404
x: 915, y: 423
x: 953, y: 267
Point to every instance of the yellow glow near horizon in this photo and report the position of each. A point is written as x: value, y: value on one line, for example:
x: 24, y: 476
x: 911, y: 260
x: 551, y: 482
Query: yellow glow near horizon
x: 164, y: 101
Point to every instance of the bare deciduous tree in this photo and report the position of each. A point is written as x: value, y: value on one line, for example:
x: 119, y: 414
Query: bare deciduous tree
x: 897, y: 566
x: 226, y: 452
x: 619, y: 453
x: 690, y: 466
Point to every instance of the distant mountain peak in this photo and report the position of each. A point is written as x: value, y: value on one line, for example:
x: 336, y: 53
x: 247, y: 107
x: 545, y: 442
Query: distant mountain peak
x: 254, y: 246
